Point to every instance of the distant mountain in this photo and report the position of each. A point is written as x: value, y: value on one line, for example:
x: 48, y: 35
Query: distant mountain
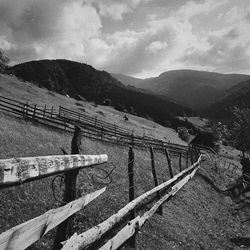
x: 127, y: 80
x: 74, y: 79
x: 194, y: 89
x: 238, y: 95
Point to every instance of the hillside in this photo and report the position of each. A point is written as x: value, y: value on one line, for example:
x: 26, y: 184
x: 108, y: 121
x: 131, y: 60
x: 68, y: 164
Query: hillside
x: 127, y: 80
x: 80, y: 80
x: 238, y: 95
x: 198, y: 217
x: 194, y: 89
x: 12, y: 87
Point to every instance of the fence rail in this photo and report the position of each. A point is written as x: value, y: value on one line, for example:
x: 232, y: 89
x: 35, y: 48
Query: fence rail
x: 94, y: 234
x: 15, y: 171
x: 65, y: 119
x: 27, y: 233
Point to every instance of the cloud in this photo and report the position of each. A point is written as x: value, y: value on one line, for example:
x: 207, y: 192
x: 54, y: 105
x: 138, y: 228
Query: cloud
x: 156, y: 46
x: 135, y: 37
x: 47, y: 29
x: 115, y: 9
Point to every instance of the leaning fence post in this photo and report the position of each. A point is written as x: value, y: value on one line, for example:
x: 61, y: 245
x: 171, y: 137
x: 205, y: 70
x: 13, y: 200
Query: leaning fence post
x: 131, y: 158
x: 169, y: 164
x: 70, y: 192
x: 159, y: 210
x: 180, y: 161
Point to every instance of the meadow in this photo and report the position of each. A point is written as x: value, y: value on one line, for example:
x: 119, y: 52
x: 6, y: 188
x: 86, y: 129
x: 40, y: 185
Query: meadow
x: 197, y: 218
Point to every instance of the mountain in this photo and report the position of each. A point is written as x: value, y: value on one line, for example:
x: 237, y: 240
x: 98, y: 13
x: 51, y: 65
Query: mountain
x: 238, y: 95
x: 78, y: 79
x: 127, y: 80
x: 191, y: 88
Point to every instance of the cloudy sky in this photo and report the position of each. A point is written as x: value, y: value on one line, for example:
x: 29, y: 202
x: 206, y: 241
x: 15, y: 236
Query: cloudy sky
x: 140, y: 38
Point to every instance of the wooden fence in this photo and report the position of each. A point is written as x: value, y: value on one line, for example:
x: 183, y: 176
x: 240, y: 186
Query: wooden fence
x: 65, y: 119
x: 16, y: 171
x: 89, y: 238
x: 20, y: 170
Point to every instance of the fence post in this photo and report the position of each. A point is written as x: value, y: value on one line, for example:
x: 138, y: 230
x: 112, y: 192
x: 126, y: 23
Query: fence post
x: 169, y: 163
x: 52, y: 111
x: 95, y: 121
x: 25, y: 107
x: 187, y: 160
x: 131, y: 158
x: 115, y: 128
x: 78, y: 114
x: 70, y: 192
x: 64, y: 120
x: 180, y: 161
x: 102, y: 133
x: 162, y: 143
x: 192, y: 154
x: 34, y: 113
x: 159, y: 210
x: 44, y: 110
x: 132, y: 138
x: 59, y: 111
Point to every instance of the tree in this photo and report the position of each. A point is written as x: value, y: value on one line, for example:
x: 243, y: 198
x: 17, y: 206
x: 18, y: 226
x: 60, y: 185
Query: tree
x: 239, y: 130
x: 3, y: 61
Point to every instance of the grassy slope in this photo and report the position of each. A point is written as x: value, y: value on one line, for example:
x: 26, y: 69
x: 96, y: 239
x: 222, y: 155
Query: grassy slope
x: 13, y: 88
x: 197, y: 218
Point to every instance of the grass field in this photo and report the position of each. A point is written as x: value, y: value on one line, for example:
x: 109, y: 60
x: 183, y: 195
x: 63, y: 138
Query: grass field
x: 13, y: 88
x: 196, y: 218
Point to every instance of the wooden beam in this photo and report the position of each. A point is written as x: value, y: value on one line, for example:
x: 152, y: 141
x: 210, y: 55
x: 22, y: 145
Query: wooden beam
x: 85, y: 239
x: 70, y: 181
x: 131, y: 159
x: 15, y: 171
x: 159, y: 211
x: 25, y: 234
x: 130, y: 229
x: 180, y: 161
x: 169, y: 163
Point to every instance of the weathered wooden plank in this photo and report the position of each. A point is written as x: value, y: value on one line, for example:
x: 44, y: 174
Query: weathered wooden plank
x: 129, y: 230
x: 25, y: 234
x: 95, y: 233
x: 15, y: 171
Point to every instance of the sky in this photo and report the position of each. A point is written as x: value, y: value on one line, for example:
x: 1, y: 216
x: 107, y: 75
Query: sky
x: 140, y: 38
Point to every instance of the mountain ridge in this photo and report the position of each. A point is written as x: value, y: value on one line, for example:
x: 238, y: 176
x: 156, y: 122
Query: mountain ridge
x: 74, y: 79
x: 191, y: 88
x: 236, y: 96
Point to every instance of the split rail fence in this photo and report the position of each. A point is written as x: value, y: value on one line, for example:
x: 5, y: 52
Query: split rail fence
x: 16, y: 171
x: 65, y: 119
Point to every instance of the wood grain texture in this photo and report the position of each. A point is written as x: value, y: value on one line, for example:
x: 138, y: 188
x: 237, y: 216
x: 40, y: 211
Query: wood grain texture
x: 15, y: 171
x: 129, y: 230
x: 90, y: 236
x: 25, y: 234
